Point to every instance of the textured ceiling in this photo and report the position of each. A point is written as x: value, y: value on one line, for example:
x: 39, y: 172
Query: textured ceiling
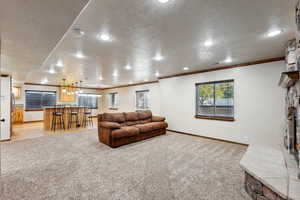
x: 30, y: 29
x: 140, y: 30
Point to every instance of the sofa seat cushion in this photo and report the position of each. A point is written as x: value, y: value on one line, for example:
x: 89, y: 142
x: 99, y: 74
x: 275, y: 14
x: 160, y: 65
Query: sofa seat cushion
x: 158, y: 125
x: 144, y: 127
x: 125, y: 131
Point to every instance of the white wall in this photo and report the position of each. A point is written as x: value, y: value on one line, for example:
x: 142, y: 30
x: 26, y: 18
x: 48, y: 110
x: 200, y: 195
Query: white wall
x: 127, y: 98
x: 38, y: 115
x: 259, y: 104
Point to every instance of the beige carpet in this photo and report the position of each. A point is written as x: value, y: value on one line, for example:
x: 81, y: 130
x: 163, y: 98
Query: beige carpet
x: 76, y: 166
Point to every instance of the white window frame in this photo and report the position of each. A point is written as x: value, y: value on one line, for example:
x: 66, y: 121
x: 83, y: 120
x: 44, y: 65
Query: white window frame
x: 149, y: 104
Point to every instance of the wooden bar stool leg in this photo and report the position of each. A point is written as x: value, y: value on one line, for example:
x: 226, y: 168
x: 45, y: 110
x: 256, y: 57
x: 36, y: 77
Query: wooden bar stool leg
x: 52, y: 123
x: 63, y: 122
x: 91, y: 121
x: 55, y: 122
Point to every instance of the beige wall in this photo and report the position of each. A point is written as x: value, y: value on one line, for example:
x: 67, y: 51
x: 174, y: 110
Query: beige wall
x: 258, y: 101
x: 127, y: 98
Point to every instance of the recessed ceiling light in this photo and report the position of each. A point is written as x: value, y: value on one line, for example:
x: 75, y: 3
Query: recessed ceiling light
x: 163, y: 1
x: 52, y: 71
x: 115, y: 74
x: 79, y: 54
x: 157, y: 73
x: 274, y: 33
x: 104, y: 37
x: 78, y: 32
x: 185, y: 68
x: 228, y: 60
x: 59, y: 63
x: 44, y: 81
x: 158, y: 57
x: 208, y: 43
x: 128, y: 67
x: 100, y: 78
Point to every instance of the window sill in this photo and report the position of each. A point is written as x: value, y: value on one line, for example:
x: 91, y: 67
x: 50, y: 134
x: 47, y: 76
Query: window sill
x: 113, y: 108
x: 228, y: 119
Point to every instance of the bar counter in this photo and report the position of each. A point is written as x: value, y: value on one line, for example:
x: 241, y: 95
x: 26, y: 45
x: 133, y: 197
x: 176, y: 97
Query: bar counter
x: 48, y: 114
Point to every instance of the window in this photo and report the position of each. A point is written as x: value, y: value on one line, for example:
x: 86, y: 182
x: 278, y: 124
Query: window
x: 214, y: 100
x: 88, y: 100
x: 142, y: 99
x: 113, y: 100
x: 36, y: 100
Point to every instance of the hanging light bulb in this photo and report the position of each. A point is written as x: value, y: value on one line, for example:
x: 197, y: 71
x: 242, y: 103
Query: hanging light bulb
x: 64, y: 89
x: 80, y: 89
x: 72, y: 89
x: 76, y: 88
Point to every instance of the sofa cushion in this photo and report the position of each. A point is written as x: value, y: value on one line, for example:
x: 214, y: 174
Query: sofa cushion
x: 107, y: 117
x: 111, y: 125
x: 131, y: 123
x: 144, y: 127
x: 145, y: 121
x: 131, y: 116
x: 114, y: 117
x: 144, y: 114
x: 158, y: 125
x: 126, y: 131
x: 158, y: 119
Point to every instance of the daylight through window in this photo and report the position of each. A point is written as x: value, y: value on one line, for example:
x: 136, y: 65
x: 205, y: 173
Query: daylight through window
x: 36, y: 100
x: 142, y: 99
x: 215, y: 99
x: 113, y: 100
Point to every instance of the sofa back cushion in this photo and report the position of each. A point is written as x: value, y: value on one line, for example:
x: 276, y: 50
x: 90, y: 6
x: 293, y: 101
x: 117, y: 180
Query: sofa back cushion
x: 114, y: 117
x: 132, y: 118
x: 144, y: 116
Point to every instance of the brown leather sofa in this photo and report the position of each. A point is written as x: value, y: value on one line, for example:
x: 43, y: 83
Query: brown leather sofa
x: 117, y: 129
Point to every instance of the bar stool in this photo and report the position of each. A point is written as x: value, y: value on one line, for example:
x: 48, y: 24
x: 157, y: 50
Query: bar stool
x: 87, y: 117
x: 58, y: 117
x: 73, y: 116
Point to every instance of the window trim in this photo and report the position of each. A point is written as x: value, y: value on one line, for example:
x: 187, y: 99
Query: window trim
x: 109, y: 106
x: 215, y: 117
x: 39, y: 109
x: 146, y: 90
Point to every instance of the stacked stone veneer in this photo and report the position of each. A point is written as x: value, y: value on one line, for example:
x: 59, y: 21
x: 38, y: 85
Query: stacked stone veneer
x: 259, y: 191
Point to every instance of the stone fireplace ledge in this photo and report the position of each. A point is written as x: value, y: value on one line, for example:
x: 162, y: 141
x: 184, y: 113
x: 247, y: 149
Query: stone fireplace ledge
x: 274, y: 169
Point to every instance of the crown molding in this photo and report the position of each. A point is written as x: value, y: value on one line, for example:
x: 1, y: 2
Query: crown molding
x: 130, y: 85
x: 217, y: 68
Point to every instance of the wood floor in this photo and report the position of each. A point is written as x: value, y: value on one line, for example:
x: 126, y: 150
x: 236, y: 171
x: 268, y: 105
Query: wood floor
x: 36, y: 129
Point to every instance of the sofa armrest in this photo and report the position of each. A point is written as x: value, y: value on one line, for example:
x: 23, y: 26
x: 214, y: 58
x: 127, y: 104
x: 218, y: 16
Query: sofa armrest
x: 111, y: 125
x: 104, y: 135
x: 158, y: 119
